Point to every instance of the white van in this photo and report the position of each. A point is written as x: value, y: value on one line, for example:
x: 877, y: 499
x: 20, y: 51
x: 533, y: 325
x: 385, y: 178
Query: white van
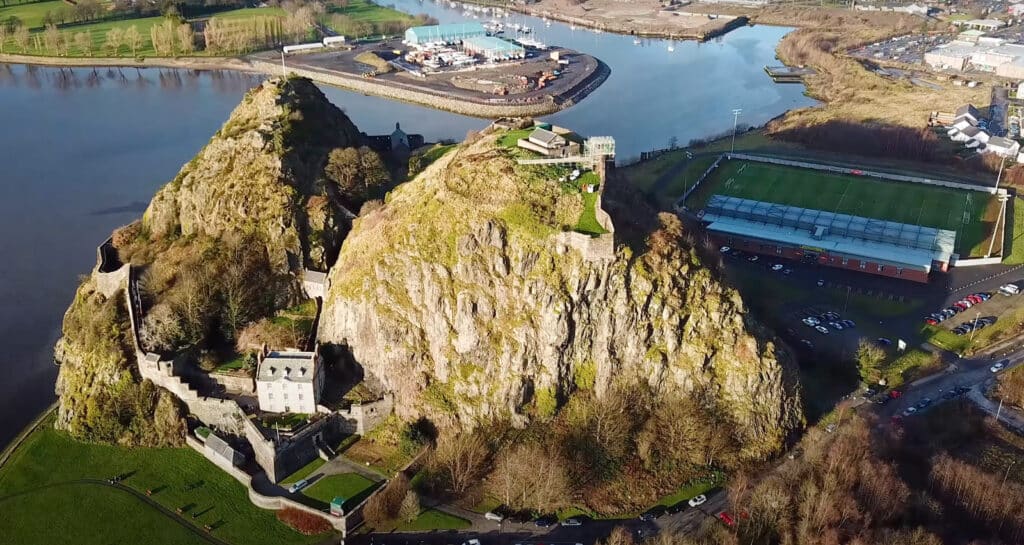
x: 491, y: 515
x: 1009, y: 289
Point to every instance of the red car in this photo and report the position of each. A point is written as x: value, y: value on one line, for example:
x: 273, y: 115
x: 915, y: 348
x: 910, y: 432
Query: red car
x: 726, y: 518
x: 895, y: 394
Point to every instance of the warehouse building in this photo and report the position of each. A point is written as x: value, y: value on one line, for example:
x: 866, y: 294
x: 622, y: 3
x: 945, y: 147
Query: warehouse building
x: 897, y: 250
x: 445, y: 34
x: 493, y: 49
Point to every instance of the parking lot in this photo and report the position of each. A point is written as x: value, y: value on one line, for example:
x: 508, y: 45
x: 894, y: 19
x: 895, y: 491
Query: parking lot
x: 907, y: 49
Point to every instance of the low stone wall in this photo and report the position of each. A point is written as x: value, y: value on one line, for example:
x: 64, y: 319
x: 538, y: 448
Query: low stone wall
x: 235, y: 383
x: 271, y: 503
x: 978, y: 262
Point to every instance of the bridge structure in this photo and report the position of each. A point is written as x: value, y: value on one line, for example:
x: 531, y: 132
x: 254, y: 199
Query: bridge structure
x: 595, y: 150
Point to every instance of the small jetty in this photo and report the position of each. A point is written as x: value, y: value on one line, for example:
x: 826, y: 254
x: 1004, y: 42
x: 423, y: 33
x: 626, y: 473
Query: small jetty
x: 788, y: 74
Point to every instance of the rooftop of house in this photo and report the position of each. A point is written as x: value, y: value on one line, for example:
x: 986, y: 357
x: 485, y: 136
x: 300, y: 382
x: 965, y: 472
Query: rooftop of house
x: 968, y: 109
x: 1001, y: 142
x: 293, y: 366
x: 545, y: 136
x: 314, y: 276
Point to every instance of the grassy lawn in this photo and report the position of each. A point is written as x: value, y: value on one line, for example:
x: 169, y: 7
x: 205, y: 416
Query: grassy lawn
x: 306, y: 471
x: 588, y: 223
x: 486, y: 505
x: 365, y: 11
x: 960, y: 211
x: 48, y: 516
x: 1007, y: 325
x: 694, y: 488
x: 235, y: 364
x: 436, y: 152
x: 181, y: 478
x: 351, y: 486
x: 1014, y: 245
x: 245, y: 13
x: 31, y: 15
x: 909, y: 366
x: 432, y: 519
x: 510, y: 138
x: 98, y: 33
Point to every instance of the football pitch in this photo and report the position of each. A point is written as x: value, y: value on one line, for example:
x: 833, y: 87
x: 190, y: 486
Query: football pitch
x: 971, y: 214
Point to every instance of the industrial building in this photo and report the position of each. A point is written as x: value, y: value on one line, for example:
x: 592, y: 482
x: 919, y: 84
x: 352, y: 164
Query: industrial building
x: 493, y: 49
x: 897, y: 250
x: 444, y: 34
x: 985, y: 55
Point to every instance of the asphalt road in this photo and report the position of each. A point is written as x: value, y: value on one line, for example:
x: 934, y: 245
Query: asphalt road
x: 590, y: 532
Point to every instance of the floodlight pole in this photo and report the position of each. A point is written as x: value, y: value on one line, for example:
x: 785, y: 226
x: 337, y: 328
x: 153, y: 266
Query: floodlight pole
x: 999, y: 410
x: 975, y: 327
x: 284, y: 73
x: 1007, y: 473
x: 735, y: 119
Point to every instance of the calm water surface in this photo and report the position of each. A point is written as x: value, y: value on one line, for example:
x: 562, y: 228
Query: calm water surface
x: 83, y: 150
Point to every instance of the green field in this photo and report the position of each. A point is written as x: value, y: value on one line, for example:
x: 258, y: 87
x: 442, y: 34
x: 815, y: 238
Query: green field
x: 351, y: 486
x: 969, y: 213
x: 31, y: 15
x: 52, y: 490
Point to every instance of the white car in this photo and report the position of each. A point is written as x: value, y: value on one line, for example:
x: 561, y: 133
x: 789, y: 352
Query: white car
x: 724, y: 249
x: 491, y: 515
x: 572, y: 522
x: 299, y: 485
x: 777, y: 267
x: 821, y: 329
x: 1009, y: 289
x: 697, y: 500
x: 997, y: 367
x: 910, y: 411
x: 811, y: 321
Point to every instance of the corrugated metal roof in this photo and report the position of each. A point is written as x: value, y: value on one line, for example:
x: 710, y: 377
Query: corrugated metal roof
x: 220, y: 447
x: 880, y: 240
x: 448, y: 32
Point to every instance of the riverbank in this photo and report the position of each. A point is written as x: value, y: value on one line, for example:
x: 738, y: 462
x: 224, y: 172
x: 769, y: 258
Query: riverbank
x: 645, y: 18
x: 591, y: 74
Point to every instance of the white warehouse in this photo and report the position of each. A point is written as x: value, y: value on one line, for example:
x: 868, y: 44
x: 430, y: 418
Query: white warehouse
x: 289, y: 381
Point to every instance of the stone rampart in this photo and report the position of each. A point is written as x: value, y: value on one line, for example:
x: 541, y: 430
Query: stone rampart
x: 235, y: 383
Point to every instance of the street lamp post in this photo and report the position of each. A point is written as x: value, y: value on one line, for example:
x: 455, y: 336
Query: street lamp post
x: 1007, y: 473
x: 735, y: 119
x: 975, y: 326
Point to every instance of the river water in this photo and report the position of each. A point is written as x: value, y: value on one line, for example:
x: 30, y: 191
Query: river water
x: 83, y: 150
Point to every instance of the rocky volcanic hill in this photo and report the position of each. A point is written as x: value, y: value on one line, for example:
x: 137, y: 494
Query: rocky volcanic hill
x: 220, y: 246
x: 458, y: 296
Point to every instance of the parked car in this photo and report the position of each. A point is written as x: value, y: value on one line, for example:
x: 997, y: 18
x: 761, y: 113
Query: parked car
x: 572, y: 522
x: 882, y: 341
x: 491, y: 515
x: 777, y: 267
x: 726, y: 518
x: 998, y: 366
x: 836, y: 326
x: 848, y: 324
x: 811, y: 321
x: 545, y: 521
x: 924, y: 403
x: 909, y: 411
x: 931, y: 321
x: 676, y: 508
x: 724, y: 249
x: 1009, y: 289
x: 753, y: 259
x: 697, y: 500
x: 808, y: 344
x: 653, y: 513
x: 821, y: 329
x: 832, y: 316
x: 298, y: 485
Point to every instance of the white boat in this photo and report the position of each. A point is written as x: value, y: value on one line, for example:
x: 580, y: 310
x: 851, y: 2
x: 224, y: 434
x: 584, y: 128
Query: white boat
x: 547, y: 23
x: 636, y: 41
x: 671, y: 48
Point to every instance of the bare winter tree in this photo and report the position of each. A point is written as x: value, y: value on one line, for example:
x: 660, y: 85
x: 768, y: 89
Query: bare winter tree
x: 461, y: 460
x: 83, y: 41
x: 133, y: 39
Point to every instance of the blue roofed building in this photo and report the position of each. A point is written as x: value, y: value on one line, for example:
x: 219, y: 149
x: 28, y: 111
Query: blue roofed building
x: 452, y: 33
x: 493, y: 49
x: 886, y: 248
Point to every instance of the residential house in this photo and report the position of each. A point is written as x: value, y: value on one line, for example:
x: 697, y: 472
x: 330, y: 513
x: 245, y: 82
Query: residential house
x: 289, y: 381
x: 1003, y: 147
x: 548, y: 143
x: 967, y: 112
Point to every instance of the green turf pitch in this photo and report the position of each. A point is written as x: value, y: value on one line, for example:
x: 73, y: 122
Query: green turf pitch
x: 903, y: 202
